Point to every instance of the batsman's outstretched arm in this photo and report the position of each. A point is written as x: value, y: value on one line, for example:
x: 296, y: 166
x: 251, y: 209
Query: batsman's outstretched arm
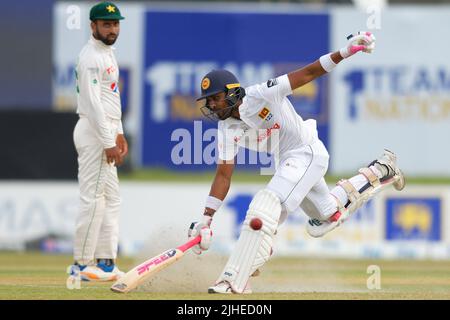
x: 219, y: 190
x: 312, y: 71
x: 220, y: 186
x: 363, y: 41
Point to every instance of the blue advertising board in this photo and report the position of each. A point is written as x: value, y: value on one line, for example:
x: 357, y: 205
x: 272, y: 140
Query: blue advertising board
x: 181, y: 47
x: 414, y: 218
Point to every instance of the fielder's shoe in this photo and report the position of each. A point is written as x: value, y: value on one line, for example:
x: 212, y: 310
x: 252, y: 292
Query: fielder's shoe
x: 224, y: 287
x: 108, y: 266
x: 118, y: 272
x: 389, y: 161
x: 94, y: 273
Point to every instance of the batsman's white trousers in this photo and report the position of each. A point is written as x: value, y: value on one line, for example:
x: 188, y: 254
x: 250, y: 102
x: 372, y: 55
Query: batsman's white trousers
x: 299, y: 181
x: 97, y: 224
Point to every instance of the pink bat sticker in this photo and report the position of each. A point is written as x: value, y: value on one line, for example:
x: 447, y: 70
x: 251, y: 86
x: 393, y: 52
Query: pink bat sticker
x: 156, y: 261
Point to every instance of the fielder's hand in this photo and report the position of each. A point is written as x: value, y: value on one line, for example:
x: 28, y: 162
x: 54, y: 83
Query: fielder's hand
x: 363, y: 41
x: 113, y: 156
x: 122, y: 143
x: 201, y: 228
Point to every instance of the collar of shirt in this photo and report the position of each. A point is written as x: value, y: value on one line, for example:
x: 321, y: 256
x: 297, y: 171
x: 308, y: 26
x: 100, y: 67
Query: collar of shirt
x: 100, y: 44
x: 245, y: 112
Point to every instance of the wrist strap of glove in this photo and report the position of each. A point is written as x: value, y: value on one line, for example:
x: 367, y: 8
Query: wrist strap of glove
x: 213, y: 203
x: 345, y: 52
x: 327, y: 63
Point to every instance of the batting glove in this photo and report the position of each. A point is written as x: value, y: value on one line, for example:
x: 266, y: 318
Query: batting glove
x: 201, y: 228
x: 363, y: 41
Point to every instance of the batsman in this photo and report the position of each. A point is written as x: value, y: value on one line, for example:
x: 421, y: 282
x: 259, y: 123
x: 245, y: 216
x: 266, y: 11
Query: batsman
x: 261, y: 118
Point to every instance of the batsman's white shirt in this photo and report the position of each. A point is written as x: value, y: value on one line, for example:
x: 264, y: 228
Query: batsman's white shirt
x: 99, y: 108
x: 270, y: 123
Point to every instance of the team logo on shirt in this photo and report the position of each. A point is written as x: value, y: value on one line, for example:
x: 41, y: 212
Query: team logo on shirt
x: 272, y: 82
x: 206, y: 83
x: 265, y: 114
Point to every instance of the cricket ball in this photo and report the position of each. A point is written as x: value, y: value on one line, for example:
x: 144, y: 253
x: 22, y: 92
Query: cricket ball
x: 256, y: 223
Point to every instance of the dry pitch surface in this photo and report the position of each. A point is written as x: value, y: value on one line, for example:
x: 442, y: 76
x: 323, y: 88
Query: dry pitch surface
x: 37, y: 276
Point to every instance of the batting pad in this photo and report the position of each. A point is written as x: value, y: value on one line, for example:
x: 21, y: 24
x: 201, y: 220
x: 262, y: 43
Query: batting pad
x: 254, y: 247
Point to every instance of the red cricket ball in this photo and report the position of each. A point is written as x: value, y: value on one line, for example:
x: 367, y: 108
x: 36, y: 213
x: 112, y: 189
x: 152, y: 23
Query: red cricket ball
x: 256, y: 223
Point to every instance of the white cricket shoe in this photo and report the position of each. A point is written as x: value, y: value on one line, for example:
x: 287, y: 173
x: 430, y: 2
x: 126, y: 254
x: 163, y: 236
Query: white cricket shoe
x: 224, y: 287
x: 389, y: 160
x: 108, y: 266
x: 317, y: 228
x: 117, y: 272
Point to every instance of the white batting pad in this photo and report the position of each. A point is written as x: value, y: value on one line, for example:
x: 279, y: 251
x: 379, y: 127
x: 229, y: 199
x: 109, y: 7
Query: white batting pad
x: 254, y: 246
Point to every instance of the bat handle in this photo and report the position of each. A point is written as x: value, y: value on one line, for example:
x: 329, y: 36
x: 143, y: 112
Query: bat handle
x: 190, y: 243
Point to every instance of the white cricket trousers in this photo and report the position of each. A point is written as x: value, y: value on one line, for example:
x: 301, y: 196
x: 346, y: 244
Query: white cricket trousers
x: 299, y: 181
x: 97, y: 224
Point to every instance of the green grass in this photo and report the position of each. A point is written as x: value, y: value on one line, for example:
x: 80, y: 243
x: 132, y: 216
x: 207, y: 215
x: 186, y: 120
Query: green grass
x: 239, y: 176
x: 164, y: 175
x: 38, y: 276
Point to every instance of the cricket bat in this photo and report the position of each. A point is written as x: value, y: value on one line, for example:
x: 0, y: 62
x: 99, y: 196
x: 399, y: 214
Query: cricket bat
x: 145, y: 270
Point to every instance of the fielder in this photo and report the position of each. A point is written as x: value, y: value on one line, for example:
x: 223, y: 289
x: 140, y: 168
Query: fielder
x: 262, y: 118
x: 101, y: 146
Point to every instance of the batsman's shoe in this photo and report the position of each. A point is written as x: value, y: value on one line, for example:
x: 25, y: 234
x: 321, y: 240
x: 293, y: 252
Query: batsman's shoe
x: 224, y: 287
x: 317, y: 228
x: 389, y: 161
x: 94, y: 273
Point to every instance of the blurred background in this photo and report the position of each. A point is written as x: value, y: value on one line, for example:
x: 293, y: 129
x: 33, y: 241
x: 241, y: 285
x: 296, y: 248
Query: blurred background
x: 397, y: 98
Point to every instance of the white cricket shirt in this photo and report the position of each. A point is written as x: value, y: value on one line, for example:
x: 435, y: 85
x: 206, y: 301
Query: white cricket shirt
x: 269, y: 123
x: 98, y: 97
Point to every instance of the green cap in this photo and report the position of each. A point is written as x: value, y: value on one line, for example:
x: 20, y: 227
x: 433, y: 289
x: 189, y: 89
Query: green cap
x: 105, y: 11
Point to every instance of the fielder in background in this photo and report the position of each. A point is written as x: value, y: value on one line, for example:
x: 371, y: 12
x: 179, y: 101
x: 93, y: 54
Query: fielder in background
x: 101, y: 147
x: 261, y: 118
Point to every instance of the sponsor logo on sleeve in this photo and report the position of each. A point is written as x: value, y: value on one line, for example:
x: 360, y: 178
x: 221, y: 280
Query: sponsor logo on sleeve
x: 272, y: 82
